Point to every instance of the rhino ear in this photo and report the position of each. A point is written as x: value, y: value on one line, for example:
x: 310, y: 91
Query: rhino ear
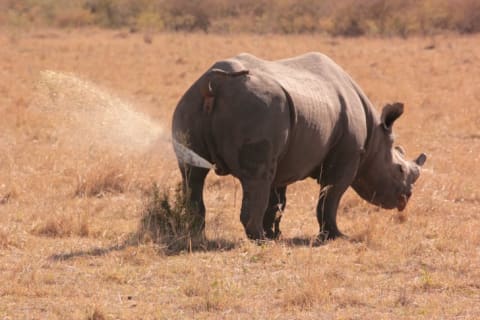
x: 390, y: 113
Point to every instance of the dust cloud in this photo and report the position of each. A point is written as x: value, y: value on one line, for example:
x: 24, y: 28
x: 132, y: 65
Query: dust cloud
x: 85, y: 114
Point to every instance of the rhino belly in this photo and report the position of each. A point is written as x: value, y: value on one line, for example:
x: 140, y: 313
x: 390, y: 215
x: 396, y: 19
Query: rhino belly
x: 303, y: 159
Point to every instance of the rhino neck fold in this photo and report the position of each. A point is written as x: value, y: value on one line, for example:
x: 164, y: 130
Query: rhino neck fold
x: 369, y: 152
x: 372, y: 121
x: 293, y: 121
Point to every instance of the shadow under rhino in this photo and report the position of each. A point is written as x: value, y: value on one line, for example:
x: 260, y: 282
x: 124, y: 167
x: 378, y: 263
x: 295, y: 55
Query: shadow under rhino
x: 212, y: 245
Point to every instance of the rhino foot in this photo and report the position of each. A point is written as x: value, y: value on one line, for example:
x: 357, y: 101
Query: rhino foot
x: 256, y: 236
x: 273, y: 235
x: 326, y: 235
x: 269, y: 234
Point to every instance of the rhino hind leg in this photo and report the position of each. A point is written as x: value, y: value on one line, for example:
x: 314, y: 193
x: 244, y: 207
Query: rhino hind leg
x: 193, y: 180
x: 254, y: 204
x: 257, y: 170
x: 273, y: 214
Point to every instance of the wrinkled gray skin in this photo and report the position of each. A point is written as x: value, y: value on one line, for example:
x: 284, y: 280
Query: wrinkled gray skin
x: 271, y: 123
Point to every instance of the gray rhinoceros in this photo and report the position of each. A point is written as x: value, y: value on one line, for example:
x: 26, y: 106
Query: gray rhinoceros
x: 271, y: 123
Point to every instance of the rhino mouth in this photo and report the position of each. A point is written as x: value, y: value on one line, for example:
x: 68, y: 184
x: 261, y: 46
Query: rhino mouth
x: 402, y: 202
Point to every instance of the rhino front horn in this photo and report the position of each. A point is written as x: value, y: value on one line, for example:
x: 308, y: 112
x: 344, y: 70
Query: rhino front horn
x: 421, y: 159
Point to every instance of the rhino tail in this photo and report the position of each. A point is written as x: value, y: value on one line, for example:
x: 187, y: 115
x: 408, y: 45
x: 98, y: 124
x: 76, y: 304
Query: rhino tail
x: 211, y: 84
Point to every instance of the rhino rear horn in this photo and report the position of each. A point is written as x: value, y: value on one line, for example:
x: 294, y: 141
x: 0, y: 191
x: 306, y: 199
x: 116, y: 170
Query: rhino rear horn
x: 390, y: 113
x: 421, y: 159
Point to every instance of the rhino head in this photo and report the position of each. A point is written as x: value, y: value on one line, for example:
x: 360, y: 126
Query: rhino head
x: 386, y: 178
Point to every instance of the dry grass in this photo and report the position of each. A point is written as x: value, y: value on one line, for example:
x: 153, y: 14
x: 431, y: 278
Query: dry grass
x: 102, y: 179
x: 346, y: 17
x: 73, y: 187
x: 4, y: 239
x: 95, y: 314
x: 169, y: 221
x: 62, y: 226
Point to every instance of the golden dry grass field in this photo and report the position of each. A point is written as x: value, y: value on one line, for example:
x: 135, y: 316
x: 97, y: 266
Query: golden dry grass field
x: 78, y: 114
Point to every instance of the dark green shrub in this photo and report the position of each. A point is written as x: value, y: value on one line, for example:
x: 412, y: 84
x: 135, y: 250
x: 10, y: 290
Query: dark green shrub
x: 171, y: 223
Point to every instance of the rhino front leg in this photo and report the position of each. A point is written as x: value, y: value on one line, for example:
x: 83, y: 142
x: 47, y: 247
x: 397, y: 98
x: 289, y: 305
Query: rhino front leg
x: 327, y: 212
x: 254, y: 205
x: 193, y: 180
x: 276, y: 204
x: 335, y: 180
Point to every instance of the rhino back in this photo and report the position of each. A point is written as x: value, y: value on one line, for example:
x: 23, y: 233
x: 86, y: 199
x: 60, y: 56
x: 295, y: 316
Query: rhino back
x: 330, y: 113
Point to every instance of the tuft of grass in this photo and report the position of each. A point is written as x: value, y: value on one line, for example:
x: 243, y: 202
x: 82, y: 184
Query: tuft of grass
x: 59, y: 226
x: 4, y: 199
x: 306, y: 294
x: 116, y: 275
x: 400, y: 217
x: 51, y: 228
x: 102, y: 180
x: 83, y: 227
x: 207, y: 296
x: 403, y: 298
x: 95, y: 314
x: 368, y: 235
x: 425, y: 280
x: 303, y: 299
x: 170, y: 222
x: 4, y: 239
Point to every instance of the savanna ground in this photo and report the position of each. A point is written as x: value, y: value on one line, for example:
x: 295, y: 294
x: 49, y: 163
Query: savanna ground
x: 72, y: 190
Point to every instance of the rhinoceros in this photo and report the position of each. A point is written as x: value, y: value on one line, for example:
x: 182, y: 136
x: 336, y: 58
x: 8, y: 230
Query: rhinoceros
x: 272, y: 123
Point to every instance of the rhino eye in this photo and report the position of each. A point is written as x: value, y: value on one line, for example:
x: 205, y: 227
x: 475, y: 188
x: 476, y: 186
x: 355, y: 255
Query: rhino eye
x: 401, y: 169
